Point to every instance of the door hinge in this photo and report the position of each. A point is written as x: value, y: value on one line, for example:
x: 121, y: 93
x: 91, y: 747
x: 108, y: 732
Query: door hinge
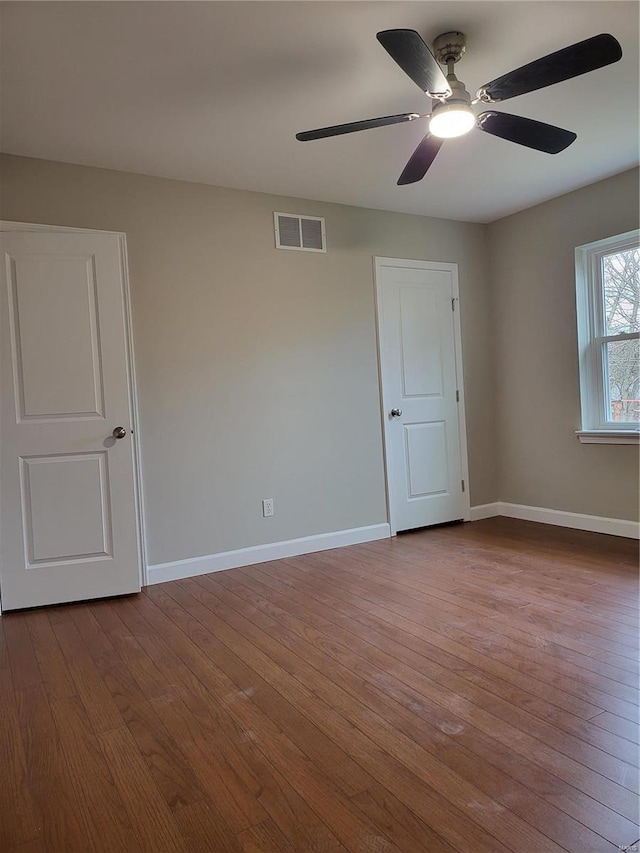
x: 457, y: 396
x: 453, y: 304
x: 462, y: 481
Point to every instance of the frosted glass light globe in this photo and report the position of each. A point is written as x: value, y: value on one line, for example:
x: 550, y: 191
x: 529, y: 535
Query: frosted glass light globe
x: 452, y: 119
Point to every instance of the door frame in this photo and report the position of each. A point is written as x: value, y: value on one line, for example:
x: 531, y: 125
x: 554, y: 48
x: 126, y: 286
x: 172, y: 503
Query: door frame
x: 379, y: 264
x: 6, y: 225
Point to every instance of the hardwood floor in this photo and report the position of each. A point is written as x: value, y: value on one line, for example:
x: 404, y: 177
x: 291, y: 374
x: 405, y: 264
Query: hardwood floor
x: 470, y: 688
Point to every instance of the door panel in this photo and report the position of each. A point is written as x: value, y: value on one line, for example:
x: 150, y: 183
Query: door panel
x: 68, y: 527
x: 426, y: 454
x: 55, y: 352
x: 420, y: 345
x: 75, y: 528
x: 419, y: 378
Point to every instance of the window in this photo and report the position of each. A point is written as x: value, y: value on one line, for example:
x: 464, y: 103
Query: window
x: 608, y: 303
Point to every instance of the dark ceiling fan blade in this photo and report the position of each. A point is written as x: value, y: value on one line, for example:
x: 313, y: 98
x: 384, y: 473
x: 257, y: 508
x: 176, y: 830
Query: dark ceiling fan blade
x: 411, y: 53
x: 580, y: 58
x: 353, y: 126
x: 526, y: 131
x: 420, y: 160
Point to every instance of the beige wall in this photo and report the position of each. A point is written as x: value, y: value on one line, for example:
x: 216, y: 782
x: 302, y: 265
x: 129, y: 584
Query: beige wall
x: 541, y: 461
x: 257, y: 368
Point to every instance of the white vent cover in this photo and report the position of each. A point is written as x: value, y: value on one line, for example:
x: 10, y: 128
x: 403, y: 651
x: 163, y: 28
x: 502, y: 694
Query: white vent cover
x: 303, y: 233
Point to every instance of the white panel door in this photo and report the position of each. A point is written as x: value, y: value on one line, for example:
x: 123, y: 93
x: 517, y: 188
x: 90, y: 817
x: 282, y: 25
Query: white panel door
x: 420, y: 392
x: 68, y: 527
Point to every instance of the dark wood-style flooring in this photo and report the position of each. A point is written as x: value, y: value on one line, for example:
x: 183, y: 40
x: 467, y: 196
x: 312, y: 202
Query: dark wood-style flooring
x: 470, y: 688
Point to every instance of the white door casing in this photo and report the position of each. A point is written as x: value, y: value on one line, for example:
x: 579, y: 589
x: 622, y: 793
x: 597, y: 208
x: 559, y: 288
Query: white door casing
x: 420, y: 357
x: 68, y: 511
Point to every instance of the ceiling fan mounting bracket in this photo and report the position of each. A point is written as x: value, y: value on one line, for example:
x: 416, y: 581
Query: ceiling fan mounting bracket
x: 449, y: 47
x: 484, y: 97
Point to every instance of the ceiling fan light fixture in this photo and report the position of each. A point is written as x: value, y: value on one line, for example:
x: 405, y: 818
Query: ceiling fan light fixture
x: 452, y: 114
x: 451, y: 119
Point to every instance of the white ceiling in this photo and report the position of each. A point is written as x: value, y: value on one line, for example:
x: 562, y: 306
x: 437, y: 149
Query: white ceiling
x: 214, y: 92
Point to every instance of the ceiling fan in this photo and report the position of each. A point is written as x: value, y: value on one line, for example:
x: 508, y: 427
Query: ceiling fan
x: 452, y: 114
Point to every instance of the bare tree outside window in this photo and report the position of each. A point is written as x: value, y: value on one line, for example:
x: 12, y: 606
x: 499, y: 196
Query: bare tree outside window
x: 621, y: 294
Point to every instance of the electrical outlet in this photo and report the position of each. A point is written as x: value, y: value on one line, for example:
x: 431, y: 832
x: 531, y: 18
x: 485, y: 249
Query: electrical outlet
x: 267, y: 507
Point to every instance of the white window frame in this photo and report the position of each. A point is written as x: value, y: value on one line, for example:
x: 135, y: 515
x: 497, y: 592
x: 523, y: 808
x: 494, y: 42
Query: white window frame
x: 592, y: 339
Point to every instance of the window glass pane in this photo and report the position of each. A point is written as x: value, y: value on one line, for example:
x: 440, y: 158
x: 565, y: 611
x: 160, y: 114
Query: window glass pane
x: 623, y: 361
x: 621, y: 291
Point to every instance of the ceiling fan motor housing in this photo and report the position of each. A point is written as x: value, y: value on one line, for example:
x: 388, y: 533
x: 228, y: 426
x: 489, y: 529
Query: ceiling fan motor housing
x: 458, y: 92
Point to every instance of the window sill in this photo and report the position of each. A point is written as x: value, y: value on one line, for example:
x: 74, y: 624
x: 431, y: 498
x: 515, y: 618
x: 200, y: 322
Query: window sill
x: 594, y: 436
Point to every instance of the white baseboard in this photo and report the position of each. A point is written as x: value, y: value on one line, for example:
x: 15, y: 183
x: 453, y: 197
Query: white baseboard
x: 576, y: 520
x: 485, y: 511
x: 162, y: 572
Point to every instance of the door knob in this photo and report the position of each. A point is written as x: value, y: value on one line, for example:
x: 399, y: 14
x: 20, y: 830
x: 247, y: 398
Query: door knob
x: 395, y: 413
x: 119, y: 432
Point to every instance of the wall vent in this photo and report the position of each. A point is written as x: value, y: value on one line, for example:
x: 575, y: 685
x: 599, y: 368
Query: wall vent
x: 302, y: 233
